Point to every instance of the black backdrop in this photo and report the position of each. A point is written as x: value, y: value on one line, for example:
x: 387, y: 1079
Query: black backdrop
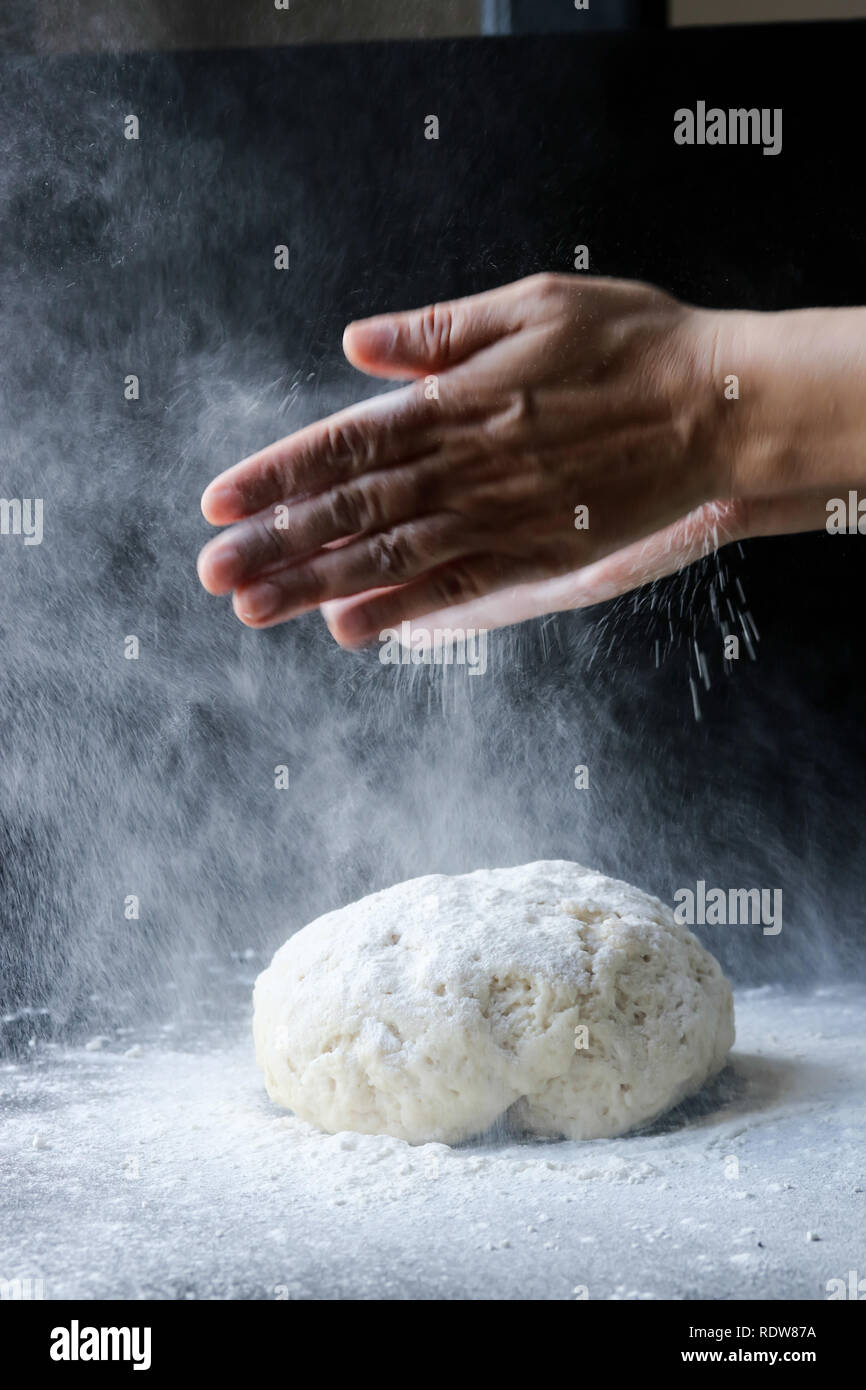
x: 156, y: 256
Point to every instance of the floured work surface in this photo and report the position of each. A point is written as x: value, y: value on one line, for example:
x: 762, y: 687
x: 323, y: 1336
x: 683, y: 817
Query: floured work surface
x: 168, y: 1174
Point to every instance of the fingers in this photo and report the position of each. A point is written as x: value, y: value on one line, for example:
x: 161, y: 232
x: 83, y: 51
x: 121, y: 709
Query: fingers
x: 285, y: 534
x: 716, y: 524
x: 438, y: 336
x: 387, y: 430
x: 451, y: 590
x: 386, y: 559
x: 351, y: 621
x: 355, y: 621
x: 503, y: 608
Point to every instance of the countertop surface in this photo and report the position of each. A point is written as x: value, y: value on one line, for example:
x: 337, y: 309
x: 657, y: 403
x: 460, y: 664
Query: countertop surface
x: 138, y: 1168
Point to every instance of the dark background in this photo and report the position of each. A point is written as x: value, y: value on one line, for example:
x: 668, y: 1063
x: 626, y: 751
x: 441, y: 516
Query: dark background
x: 156, y: 257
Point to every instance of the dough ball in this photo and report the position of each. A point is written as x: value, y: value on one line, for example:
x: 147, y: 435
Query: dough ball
x: 428, y: 1010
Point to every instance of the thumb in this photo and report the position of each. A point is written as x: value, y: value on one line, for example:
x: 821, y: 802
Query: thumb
x: 431, y: 339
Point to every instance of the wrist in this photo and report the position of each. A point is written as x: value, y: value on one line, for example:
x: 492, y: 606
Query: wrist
x: 789, y: 399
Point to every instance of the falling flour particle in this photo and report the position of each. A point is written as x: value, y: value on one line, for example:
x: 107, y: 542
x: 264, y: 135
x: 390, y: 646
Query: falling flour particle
x: 572, y: 1001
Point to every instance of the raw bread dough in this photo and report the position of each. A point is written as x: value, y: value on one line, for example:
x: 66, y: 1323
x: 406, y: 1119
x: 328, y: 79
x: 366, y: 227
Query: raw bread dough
x: 430, y: 1009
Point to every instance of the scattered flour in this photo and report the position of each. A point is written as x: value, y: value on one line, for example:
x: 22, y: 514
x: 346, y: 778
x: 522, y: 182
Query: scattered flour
x: 173, y: 1177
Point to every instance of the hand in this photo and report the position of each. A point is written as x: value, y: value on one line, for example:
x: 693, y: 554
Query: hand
x: 711, y: 526
x: 526, y: 403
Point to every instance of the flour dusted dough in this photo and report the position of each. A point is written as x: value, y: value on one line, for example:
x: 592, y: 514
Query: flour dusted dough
x: 430, y: 1009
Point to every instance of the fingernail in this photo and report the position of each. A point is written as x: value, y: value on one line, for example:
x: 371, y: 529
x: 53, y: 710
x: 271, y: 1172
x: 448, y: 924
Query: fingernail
x: 259, y: 601
x: 222, y: 561
x: 375, y: 337
x: 354, y: 626
x: 222, y: 496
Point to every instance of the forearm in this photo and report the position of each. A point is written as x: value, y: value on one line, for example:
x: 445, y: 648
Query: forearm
x: 798, y: 422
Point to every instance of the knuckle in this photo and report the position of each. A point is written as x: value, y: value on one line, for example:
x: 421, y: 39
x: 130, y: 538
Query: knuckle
x: 270, y: 540
x: 393, y: 555
x: 548, y: 285
x: 437, y: 330
x: 274, y: 474
x: 519, y: 409
x: 351, y: 445
x: 371, y: 505
x: 345, y: 512
x: 307, y: 583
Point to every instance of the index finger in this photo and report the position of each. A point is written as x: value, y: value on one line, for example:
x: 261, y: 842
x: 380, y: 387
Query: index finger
x: 387, y: 430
